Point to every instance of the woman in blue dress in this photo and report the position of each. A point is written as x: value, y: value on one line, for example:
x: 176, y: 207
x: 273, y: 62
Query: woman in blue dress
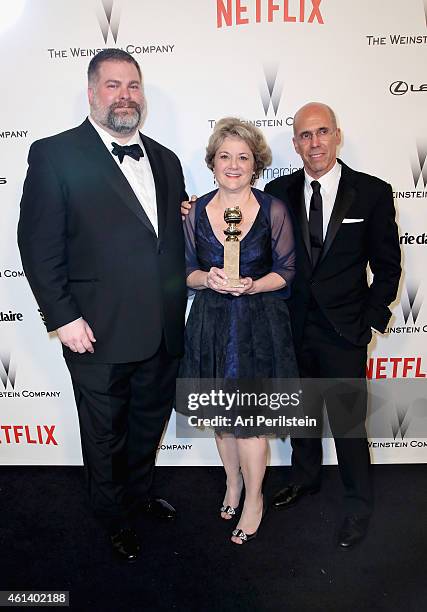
x: 240, y: 332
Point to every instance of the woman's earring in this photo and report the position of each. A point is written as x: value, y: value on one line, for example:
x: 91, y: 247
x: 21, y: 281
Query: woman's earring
x: 254, y: 178
x: 214, y: 177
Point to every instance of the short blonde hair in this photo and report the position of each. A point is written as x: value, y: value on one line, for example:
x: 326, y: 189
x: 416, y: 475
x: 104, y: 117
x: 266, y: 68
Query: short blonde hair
x: 251, y: 135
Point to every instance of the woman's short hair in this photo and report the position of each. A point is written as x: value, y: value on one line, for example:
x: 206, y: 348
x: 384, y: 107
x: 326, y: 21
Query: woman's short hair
x: 251, y: 135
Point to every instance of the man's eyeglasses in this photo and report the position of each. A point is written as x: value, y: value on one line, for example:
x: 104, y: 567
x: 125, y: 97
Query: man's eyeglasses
x: 322, y: 134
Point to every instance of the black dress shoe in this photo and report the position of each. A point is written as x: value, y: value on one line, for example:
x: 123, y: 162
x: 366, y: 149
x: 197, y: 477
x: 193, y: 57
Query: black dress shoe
x: 126, y: 545
x: 160, y: 508
x: 352, y: 531
x: 290, y: 495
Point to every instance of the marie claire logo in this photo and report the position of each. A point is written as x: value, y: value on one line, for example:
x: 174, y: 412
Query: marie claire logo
x: 8, y: 381
x: 238, y: 12
x: 399, y: 88
x: 10, y: 316
x: 109, y: 19
x: 408, y: 239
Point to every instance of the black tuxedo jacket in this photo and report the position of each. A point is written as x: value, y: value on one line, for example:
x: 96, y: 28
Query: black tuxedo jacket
x: 88, y: 248
x: 338, y: 284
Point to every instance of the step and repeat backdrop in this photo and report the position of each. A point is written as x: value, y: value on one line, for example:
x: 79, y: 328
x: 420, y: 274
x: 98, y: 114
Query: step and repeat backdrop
x: 202, y: 60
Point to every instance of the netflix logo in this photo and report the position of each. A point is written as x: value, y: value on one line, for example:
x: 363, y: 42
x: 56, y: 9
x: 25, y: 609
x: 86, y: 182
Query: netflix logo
x: 28, y: 434
x: 394, y: 367
x: 241, y: 12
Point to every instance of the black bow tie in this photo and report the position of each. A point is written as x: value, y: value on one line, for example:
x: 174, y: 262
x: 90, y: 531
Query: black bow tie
x: 134, y: 151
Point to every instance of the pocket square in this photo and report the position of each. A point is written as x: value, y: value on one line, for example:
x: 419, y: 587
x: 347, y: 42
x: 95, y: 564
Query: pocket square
x: 352, y: 220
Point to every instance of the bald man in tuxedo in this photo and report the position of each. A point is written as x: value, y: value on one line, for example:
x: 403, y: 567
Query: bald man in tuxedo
x: 344, y: 220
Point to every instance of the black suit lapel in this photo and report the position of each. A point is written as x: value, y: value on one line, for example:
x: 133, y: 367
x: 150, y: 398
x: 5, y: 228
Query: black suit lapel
x: 159, y: 174
x: 346, y: 195
x: 109, y: 172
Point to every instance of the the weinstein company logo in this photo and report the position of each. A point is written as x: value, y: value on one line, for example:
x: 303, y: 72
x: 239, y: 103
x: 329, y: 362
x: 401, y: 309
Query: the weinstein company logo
x: 400, y: 423
x: 418, y: 164
x: 109, y: 19
x: 271, y: 90
x: 411, y: 302
x: 7, y: 371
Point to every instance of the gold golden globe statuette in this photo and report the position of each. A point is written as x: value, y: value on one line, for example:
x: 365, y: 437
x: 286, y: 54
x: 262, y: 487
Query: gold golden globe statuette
x: 232, y: 216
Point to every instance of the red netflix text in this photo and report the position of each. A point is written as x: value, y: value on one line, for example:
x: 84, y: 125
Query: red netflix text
x: 27, y: 434
x: 241, y: 12
x: 394, y: 367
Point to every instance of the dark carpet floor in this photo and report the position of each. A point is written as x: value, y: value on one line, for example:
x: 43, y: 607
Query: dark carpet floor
x: 48, y: 541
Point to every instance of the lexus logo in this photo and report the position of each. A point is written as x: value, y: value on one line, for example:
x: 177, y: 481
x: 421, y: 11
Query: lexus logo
x: 109, y: 19
x: 7, y: 372
x: 399, y: 88
x: 410, y: 302
x: 270, y: 90
x: 419, y: 166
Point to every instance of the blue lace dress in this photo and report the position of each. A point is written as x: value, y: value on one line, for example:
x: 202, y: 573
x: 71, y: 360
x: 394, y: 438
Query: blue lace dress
x: 247, y: 336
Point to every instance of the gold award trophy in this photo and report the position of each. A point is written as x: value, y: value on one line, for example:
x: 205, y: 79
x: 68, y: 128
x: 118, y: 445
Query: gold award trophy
x: 232, y: 216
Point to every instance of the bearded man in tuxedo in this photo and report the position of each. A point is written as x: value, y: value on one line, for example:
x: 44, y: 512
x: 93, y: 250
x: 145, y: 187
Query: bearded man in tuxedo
x: 101, y: 242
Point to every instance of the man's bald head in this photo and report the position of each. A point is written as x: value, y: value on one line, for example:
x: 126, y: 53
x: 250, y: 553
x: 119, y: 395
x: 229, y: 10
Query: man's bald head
x: 313, y: 107
x: 316, y: 138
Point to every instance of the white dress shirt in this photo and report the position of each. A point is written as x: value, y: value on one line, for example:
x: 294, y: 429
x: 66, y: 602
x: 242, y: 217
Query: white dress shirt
x: 138, y: 173
x: 328, y: 190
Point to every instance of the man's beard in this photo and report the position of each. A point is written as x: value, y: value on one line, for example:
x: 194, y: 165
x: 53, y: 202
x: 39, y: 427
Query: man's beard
x: 118, y: 122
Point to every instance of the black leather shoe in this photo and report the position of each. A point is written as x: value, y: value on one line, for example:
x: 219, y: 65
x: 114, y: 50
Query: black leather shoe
x: 352, y: 531
x: 126, y: 545
x: 290, y: 495
x: 160, y: 508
